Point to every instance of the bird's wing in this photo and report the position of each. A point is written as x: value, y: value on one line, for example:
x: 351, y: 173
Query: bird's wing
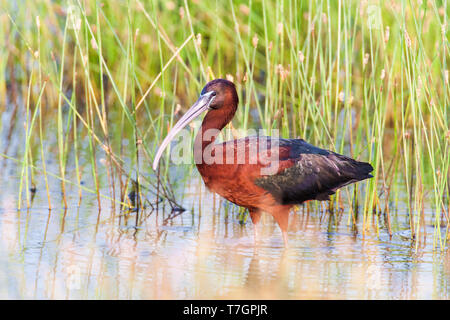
x: 306, y: 172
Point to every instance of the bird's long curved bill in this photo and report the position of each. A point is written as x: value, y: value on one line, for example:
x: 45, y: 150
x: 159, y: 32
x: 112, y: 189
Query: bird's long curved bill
x: 201, y: 105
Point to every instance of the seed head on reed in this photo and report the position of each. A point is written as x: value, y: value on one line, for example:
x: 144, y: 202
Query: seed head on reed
x: 301, y: 57
x: 283, y: 72
x: 177, y: 109
x: 255, y: 41
x: 160, y: 92
x: 94, y: 44
x: 280, y: 28
x: 419, y: 86
x: 85, y: 59
x: 181, y: 13
x: 244, y: 9
x: 366, y: 59
x: 170, y: 5
x: 395, y: 6
x: 279, y: 114
x: 350, y: 100
x: 362, y: 7
x: 407, y: 39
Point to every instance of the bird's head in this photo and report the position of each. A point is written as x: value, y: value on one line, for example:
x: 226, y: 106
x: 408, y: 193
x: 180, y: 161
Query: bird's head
x: 219, y: 96
x: 224, y: 93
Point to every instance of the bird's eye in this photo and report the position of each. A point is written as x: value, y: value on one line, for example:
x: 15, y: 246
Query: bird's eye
x: 213, y: 94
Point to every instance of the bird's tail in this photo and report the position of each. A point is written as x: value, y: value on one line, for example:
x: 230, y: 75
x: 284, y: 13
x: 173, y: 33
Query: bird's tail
x: 363, y: 170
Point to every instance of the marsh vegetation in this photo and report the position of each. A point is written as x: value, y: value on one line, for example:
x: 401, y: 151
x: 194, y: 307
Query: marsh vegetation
x: 88, y: 89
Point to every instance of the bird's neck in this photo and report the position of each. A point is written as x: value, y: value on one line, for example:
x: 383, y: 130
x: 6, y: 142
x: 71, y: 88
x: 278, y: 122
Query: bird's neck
x: 213, y: 123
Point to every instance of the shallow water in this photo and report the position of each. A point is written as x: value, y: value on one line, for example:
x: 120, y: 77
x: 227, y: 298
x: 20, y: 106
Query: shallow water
x: 84, y: 252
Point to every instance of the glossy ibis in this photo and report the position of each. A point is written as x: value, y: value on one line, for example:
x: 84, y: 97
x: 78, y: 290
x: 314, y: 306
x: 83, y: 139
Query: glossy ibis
x: 296, y: 171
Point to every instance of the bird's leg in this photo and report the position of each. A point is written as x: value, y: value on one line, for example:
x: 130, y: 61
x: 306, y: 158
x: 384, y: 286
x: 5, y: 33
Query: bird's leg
x: 255, y: 233
x: 255, y: 215
x: 285, y: 239
x: 281, y: 215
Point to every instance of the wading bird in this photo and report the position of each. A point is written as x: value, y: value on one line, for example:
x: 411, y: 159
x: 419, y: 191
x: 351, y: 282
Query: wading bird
x: 262, y: 174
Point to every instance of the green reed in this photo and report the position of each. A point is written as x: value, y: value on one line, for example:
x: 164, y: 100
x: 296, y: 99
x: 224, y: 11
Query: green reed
x: 366, y: 79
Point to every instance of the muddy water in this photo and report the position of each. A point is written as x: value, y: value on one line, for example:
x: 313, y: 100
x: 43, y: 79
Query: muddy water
x: 205, y: 252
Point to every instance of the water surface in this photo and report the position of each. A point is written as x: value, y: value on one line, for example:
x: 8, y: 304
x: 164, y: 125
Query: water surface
x: 205, y: 252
